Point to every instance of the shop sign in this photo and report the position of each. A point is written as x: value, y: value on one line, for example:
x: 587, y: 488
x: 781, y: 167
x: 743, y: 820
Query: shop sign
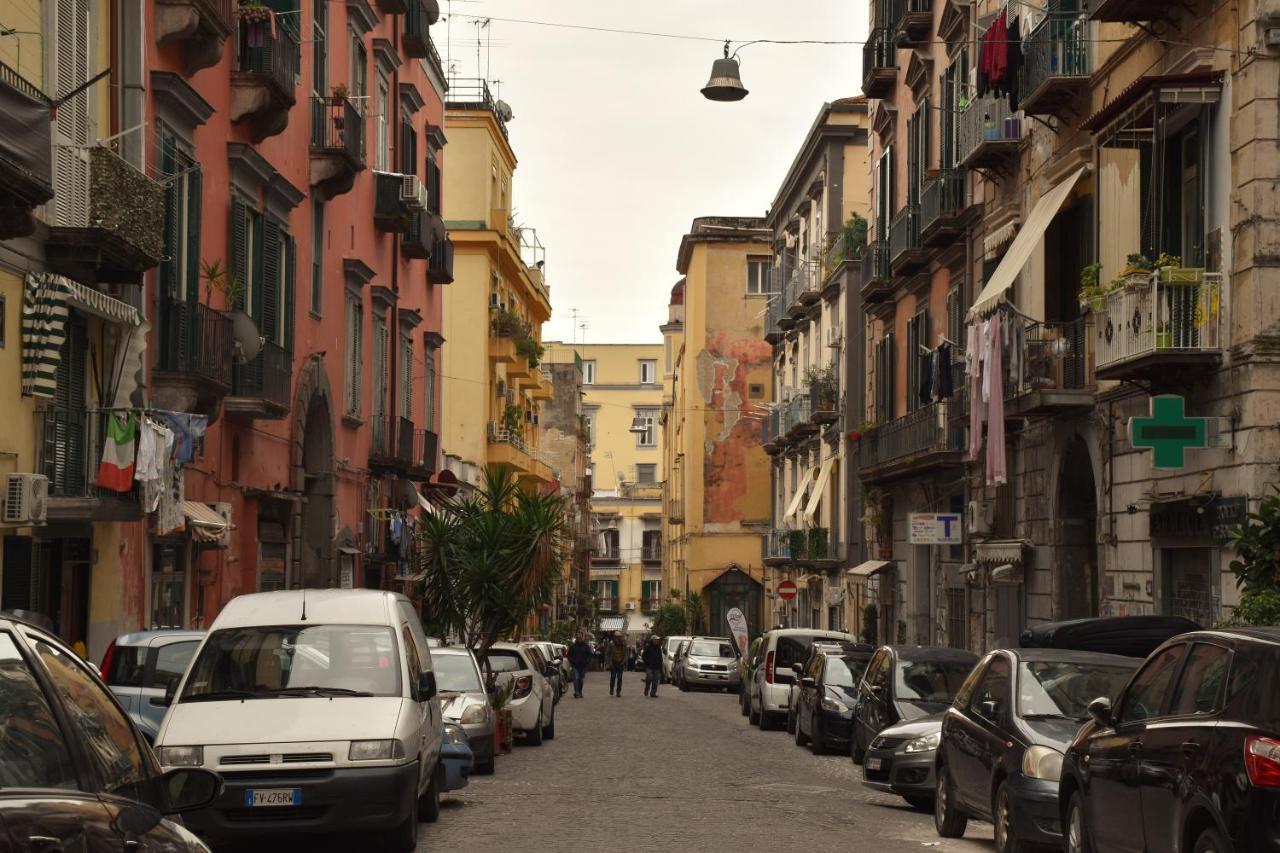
x: 1198, y: 518
x: 1168, y: 432
x: 935, y: 528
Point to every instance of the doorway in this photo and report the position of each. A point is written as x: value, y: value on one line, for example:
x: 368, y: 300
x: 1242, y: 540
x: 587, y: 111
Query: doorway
x: 733, y: 588
x: 1077, y: 564
x: 318, y: 491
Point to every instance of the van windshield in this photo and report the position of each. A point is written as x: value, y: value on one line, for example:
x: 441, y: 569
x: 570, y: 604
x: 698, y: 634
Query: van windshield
x: 269, y: 661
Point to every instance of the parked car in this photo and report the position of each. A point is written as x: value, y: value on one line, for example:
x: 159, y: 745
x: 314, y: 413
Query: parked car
x: 781, y: 648
x: 901, y: 759
x: 746, y: 671
x: 826, y: 690
x: 1187, y: 758
x: 1131, y: 636
x: 63, y: 726
x: 141, y: 667
x: 709, y: 662
x: 559, y: 655
x: 464, y: 700
x: 549, y: 669
x: 677, y: 663
x: 905, y: 683
x: 669, y: 647
x: 1000, y: 750
x: 533, y: 706
x: 456, y: 757
x: 320, y: 709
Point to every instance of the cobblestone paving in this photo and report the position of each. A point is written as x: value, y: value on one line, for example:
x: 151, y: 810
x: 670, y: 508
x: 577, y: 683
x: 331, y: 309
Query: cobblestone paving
x: 683, y: 772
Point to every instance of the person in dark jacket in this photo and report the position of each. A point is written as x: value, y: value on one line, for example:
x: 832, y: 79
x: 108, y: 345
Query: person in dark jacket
x: 616, y: 657
x: 579, y: 659
x: 652, y: 666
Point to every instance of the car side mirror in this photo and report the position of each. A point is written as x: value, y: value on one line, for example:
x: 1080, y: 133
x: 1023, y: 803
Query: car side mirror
x: 807, y: 682
x: 426, y: 686
x: 989, y: 709
x: 189, y: 789
x: 797, y: 668
x: 552, y: 670
x: 1100, y: 711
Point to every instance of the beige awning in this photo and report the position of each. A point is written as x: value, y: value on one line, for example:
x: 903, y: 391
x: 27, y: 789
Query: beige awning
x: 203, y: 523
x: 1023, y: 245
x: 101, y: 305
x: 798, y: 497
x: 819, y: 489
x: 869, y: 568
x: 1000, y: 552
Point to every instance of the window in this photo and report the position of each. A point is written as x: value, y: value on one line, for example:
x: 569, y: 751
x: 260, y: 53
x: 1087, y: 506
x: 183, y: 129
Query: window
x: 651, y: 592
x: 992, y: 692
x: 263, y: 257
x: 884, y: 379
x: 317, y: 254
x: 609, y: 541
x: 33, y: 755
x: 319, y: 51
x: 408, y: 146
x: 429, y: 383
x: 1201, y: 682
x: 355, y: 354
x: 646, y: 473
x: 648, y: 418
x: 171, y: 663
x: 756, y: 391
x: 759, y: 276
x: 433, y: 184
x: 1146, y: 695
x: 1061, y: 689
x: 406, y: 377
x: 590, y: 420
x: 168, y: 588
x: 359, y: 70
x: 648, y: 371
x: 917, y: 360
x: 917, y: 151
x: 589, y: 372
x: 381, y: 358
x: 884, y: 193
x: 606, y: 593
x: 382, y: 138
x: 180, y: 271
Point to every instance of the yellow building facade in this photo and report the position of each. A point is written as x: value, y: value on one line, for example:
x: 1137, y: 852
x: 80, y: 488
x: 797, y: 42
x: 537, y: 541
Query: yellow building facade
x: 494, y: 311
x: 716, y: 475
x: 621, y: 405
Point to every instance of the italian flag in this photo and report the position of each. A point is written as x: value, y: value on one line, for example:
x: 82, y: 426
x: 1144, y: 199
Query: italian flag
x: 118, y: 452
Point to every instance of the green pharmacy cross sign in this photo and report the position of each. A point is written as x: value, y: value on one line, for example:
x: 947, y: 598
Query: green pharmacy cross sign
x: 1169, y: 433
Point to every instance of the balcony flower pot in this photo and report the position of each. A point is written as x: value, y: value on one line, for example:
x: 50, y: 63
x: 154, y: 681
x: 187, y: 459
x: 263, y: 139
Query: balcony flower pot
x: 1164, y: 339
x: 818, y: 543
x: 796, y: 542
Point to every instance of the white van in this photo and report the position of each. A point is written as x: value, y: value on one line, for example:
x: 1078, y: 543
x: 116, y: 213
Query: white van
x: 318, y: 708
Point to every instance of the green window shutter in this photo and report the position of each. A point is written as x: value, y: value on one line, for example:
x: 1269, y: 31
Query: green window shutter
x: 239, y: 268
x: 267, y: 288
x: 169, y: 283
x: 195, y: 182
x: 290, y: 248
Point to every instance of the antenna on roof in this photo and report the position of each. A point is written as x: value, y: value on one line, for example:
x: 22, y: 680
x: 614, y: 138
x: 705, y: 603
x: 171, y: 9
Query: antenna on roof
x: 304, y: 604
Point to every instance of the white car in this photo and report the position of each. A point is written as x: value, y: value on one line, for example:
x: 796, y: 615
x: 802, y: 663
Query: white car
x: 769, y: 694
x: 533, y: 703
x: 669, y: 646
x: 319, y: 709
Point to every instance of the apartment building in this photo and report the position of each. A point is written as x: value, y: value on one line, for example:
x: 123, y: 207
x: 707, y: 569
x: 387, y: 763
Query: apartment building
x: 814, y: 323
x: 1068, y: 206
x: 567, y: 445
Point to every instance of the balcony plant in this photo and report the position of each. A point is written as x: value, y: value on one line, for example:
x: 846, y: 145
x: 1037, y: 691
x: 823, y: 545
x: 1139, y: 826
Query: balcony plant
x: 1093, y: 293
x: 253, y: 13
x: 818, y: 544
x: 796, y: 542
x: 529, y: 348
x: 504, y: 322
x: 512, y: 418
x: 824, y: 386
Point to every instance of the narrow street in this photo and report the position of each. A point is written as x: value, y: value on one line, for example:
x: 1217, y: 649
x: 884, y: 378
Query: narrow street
x: 683, y: 772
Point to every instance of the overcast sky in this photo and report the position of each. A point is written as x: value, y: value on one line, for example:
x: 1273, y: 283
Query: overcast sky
x: 618, y: 151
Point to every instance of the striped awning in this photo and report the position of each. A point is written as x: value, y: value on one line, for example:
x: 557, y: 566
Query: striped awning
x: 203, y: 523
x: 44, y: 330
x: 101, y: 305
x: 612, y: 623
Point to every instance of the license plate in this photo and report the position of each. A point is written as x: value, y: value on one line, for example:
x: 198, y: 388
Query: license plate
x: 255, y: 797
x: 873, y: 764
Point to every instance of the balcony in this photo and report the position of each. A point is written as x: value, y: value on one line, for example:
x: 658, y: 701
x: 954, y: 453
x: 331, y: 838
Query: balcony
x: 913, y: 19
x: 508, y: 447
x: 193, y: 358
x: 440, y: 264
x: 422, y: 464
x: 393, y: 207
x: 879, y: 63
x: 1130, y: 11
x: 26, y: 153
x: 773, y: 438
x: 391, y: 445
x: 260, y: 389
x: 877, y: 276
x: 774, y: 314
x: 798, y: 423
x: 650, y: 605
x: 1161, y: 328
x: 1057, y: 369
x: 264, y: 76
x: 337, y: 145
x: 608, y: 555
x: 108, y: 220
x: 415, y: 240
x: 675, y: 511
x: 1055, y: 69
x: 824, y: 405
x: 848, y: 247
x: 419, y: 17
x: 776, y: 547
x: 923, y: 441
x: 606, y: 604
x: 199, y: 29
x: 810, y: 546
x: 906, y: 254
x: 942, y: 206
x: 651, y: 552
x: 989, y: 136
x: 474, y: 94
x: 68, y: 448
x: 803, y: 288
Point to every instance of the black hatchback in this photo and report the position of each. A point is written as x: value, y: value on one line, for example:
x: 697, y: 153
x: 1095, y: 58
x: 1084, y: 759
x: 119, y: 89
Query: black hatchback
x: 827, y: 688
x: 75, y: 773
x: 1187, y: 758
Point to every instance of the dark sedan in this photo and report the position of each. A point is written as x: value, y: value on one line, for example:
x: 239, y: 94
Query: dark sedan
x: 825, y: 694
x: 905, y: 683
x: 1001, y: 749
x: 901, y: 759
x: 1189, y: 758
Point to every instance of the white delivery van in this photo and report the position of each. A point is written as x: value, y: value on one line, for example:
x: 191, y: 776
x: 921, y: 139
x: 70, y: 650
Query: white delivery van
x: 318, y: 708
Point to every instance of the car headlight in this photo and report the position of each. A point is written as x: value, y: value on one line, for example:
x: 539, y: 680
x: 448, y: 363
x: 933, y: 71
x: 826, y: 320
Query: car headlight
x: 473, y: 714
x: 1042, y: 762
x: 375, y: 750
x: 454, y: 734
x: 181, y: 756
x: 923, y: 744
x: 834, y: 705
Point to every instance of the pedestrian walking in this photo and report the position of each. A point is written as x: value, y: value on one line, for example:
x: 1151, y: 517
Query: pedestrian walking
x: 652, y: 666
x: 616, y: 654
x: 579, y: 659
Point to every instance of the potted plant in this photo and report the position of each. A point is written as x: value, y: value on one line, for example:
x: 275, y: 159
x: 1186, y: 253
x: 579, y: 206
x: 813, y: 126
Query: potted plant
x: 500, y: 700
x: 511, y: 418
x: 818, y: 543
x: 1137, y: 270
x: 253, y: 13
x: 796, y: 543
x: 1093, y: 293
x: 530, y: 349
x: 1164, y: 336
x: 823, y: 386
x: 505, y: 322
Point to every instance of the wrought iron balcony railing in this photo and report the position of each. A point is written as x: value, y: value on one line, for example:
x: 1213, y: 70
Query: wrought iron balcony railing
x: 1176, y: 313
x: 337, y: 127
x: 195, y: 339
x: 1055, y: 63
x: 987, y: 132
x: 267, y: 377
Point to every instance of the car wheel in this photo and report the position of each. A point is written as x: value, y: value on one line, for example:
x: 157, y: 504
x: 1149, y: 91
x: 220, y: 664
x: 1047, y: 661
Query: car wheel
x: 549, y: 730
x: 920, y: 802
x: 794, y: 725
x: 766, y: 720
x: 1076, y: 835
x: 744, y: 701
x: 753, y: 716
x: 533, y: 737
x: 948, y: 820
x: 429, y: 802
x: 856, y: 752
x: 1007, y: 840
x: 488, y: 766
x: 1210, y: 841
x: 816, y: 745
x: 404, y: 837
x: 683, y: 685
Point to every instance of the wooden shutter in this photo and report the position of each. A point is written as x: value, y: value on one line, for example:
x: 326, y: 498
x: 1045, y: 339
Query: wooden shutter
x: 73, y: 125
x: 433, y: 184
x: 429, y: 407
x: 239, y: 267
x: 289, y: 247
x: 379, y: 366
x: 65, y: 435
x: 266, y: 291
x: 195, y: 183
x: 406, y: 377
x: 170, y: 274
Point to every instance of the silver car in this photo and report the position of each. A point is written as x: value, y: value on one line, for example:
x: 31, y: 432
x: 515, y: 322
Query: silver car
x: 709, y: 662
x: 140, y: 667
x: 463, y: 700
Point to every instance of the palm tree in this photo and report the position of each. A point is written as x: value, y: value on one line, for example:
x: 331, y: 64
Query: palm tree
x: 491, y: 560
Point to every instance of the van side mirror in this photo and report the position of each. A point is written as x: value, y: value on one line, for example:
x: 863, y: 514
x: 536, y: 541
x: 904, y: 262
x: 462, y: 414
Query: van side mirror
x: 189, y: 789
x: 989, y: 709
x: 426, y: 686
x: 797, y: 668
x: 1100, y: 711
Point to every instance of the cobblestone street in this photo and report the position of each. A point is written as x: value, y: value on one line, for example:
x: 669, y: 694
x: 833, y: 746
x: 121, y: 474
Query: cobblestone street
x: 683, y: 772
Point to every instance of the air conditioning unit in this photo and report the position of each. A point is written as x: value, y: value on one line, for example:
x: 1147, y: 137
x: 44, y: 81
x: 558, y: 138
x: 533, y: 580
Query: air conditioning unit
x: 981, y: 517
x: 510, y: 397
x: 413, y: 193
x: 492, y: 429
x: 631, y: 605
x: 502, y: 388
x: 26, y: 499
x: 494, y: 300
x: 835, y: 335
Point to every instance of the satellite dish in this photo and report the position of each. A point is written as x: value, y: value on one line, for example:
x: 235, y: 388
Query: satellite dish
x: 406, y: 494
x: 247, y: 338
x: 504, y: 111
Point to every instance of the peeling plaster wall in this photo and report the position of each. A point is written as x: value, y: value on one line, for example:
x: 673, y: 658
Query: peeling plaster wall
x: 726, y: 368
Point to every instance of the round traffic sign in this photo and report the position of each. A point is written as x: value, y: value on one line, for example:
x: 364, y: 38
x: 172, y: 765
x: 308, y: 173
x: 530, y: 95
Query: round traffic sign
x: 787, y: 590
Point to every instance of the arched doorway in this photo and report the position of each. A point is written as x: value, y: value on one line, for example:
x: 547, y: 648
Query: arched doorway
x: 1079, y: 595
x: 313, y: 476
x: 733, y: 588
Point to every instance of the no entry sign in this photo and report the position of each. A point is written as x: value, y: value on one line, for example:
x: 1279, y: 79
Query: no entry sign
x: 787, y: 590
